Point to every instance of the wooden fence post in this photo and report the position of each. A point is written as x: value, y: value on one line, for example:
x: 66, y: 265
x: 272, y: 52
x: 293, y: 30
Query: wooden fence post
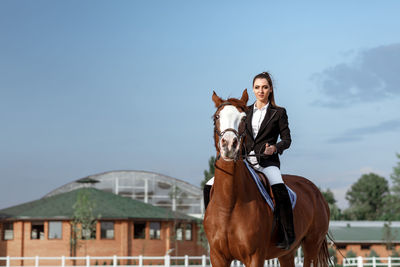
x: 141, y: 260
x: 360, y: 262
x: 203, y: 261
x: 186, y: 260
x: 115, y: 260
x: 167, y: 261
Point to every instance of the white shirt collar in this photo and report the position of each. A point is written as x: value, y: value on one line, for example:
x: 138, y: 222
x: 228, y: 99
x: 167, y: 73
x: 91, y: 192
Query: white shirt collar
x: 261, y: 109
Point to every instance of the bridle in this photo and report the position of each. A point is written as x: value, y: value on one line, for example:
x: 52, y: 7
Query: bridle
x: 240, y: 134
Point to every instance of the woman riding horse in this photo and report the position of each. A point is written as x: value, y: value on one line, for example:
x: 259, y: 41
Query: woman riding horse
x: 265, y: 122
x: 238, y: 223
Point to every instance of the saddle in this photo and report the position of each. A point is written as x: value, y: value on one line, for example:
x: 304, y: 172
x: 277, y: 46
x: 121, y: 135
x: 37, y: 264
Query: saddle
x: 266, y: 185
x: 265, y: 189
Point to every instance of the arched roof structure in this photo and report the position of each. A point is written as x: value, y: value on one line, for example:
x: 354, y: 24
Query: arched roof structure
x: 149, y: 187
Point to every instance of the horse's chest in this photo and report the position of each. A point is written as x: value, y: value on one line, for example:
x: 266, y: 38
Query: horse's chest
x: 236, y: 231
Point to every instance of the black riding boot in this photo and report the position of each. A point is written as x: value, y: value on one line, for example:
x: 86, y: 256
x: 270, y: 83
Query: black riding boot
x: 206, y: 195
x: 284, y: 216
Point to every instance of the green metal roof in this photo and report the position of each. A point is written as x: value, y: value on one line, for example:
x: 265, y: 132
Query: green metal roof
x: 362, y: 232
x: 105, y: 206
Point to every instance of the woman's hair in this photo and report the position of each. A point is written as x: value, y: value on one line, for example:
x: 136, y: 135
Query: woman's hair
x: 267, y: 76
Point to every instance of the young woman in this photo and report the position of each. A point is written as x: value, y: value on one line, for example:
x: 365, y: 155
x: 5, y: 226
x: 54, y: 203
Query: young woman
x: 265, y: 122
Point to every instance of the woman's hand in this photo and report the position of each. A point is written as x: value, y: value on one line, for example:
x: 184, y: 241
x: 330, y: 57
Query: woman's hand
x: 269, y: 150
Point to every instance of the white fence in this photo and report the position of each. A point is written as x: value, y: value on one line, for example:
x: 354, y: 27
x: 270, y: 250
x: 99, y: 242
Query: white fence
x: 372, y: 261
x: 139, y: 261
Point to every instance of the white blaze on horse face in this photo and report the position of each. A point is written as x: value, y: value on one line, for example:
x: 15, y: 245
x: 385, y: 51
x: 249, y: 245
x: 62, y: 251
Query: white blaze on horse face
x: 229, y: 118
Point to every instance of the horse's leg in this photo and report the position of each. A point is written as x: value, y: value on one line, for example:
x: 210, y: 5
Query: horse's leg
x: 311, y: 248
x: 218, y: 260
x: 287, y: 260
x: 256, y: 260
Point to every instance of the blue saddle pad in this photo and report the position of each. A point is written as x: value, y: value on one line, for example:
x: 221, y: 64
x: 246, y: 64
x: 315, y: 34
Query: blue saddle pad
x: 261, y: 188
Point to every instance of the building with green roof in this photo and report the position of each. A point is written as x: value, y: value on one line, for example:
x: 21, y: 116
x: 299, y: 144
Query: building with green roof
x: 360, y: 238
x: 89, y: 221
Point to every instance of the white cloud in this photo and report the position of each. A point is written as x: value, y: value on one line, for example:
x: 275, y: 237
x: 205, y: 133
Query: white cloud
x: 372, y: 76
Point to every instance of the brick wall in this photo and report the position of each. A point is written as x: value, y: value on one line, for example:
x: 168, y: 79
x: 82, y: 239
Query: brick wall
x: 123, y: 243
x: 364, y: 250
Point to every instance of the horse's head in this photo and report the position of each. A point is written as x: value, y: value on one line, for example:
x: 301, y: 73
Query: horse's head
x: 229, y: 125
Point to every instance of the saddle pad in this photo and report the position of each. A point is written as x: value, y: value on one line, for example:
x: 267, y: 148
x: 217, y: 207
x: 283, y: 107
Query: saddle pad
x: 263, y: 191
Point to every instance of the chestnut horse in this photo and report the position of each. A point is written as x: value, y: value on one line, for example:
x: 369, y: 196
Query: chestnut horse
x: 238, y: 223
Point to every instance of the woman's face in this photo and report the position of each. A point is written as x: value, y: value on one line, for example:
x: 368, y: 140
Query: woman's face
x: 261, y: 90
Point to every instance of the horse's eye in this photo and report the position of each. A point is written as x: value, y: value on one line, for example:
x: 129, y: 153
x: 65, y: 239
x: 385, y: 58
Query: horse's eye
x: 216, y: 117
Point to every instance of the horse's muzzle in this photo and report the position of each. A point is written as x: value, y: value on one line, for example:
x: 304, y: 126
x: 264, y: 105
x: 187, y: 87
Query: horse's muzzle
x: 229, y: 146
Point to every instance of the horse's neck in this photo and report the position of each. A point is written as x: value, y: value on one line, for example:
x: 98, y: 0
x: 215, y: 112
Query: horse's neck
x: 229, y: 186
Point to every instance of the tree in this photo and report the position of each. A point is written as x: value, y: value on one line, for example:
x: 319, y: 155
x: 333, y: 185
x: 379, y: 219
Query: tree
x: 84, y: 222
x: 177, y: 196
x: 392, y: 201
x: 372, y: 254
x: 330, y: 198
x: 366, y: 197
x: 208, y: 174
x: 395, y: 176
x: 389, y: 236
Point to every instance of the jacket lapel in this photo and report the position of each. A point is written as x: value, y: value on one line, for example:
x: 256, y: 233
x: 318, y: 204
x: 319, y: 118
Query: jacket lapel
x: 249, y: 119
x: 268, y: 116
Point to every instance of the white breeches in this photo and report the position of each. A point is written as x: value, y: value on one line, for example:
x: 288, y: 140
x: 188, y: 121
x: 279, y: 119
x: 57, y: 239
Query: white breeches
x: 273, y: 174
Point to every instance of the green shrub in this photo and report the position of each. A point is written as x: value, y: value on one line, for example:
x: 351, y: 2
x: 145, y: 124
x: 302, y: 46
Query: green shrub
x: 351, y: 254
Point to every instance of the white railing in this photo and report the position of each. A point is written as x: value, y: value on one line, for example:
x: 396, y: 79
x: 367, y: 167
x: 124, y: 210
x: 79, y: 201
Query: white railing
x: 139, y: 261
x: 371, y: 261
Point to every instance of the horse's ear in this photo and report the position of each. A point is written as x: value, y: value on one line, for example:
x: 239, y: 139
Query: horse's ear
x: 217, y: 100
x: 245, y: 96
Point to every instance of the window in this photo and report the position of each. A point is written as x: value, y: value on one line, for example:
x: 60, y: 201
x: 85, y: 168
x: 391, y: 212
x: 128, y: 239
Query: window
x: 107, y: 230
x: 183, y: 231
x: 139, y: 230
x: 365, y: 246
x: 155, y: 230
x: 37, y: 230
x: 188, y: 232
x: 8, y: 231
x: 179, y: 232
x: 55, y: 230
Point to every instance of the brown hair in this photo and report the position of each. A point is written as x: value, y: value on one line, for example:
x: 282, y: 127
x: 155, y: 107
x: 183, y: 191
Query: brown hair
x: 267, y: 76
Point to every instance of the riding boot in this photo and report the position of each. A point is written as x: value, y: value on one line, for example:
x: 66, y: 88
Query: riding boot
x: 206, y: 195
x: 284, y: 216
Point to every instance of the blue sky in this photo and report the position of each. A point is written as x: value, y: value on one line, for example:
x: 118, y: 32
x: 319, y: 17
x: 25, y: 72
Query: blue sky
x: 94, y: 86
